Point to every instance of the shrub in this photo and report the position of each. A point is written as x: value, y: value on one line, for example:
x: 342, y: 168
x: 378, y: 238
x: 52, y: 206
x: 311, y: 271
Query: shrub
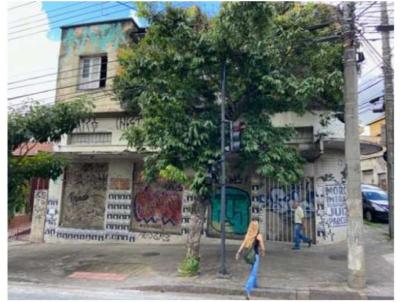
x: 189, y: 267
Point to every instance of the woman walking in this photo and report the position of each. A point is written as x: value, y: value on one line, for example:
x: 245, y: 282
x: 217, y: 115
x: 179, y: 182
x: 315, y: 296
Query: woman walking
x: 253, y: 240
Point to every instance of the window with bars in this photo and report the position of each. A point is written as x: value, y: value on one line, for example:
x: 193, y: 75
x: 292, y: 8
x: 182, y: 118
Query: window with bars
x: 93, y: 72
x: 98, y: 138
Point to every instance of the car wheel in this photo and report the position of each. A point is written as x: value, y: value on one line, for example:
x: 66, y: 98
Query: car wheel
x: 368, y: 216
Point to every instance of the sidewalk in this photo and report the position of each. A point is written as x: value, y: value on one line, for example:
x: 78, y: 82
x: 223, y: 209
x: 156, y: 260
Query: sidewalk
x: 318, y: 272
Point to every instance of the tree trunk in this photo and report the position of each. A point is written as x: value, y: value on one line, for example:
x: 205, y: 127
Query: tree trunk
x: 196, y: 228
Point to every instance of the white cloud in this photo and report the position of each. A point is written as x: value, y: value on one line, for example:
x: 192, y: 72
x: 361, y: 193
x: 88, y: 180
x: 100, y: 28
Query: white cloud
x: 32, y: 55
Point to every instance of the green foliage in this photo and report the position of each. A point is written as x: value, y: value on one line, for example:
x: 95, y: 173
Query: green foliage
x: 189, y: 267
x: 170, y: 81
x: 40, y: 124
x: 174, y: 174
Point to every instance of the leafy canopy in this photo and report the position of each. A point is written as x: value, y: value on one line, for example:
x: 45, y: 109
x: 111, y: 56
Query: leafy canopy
x: 39, y: 124
x: 171, y: 81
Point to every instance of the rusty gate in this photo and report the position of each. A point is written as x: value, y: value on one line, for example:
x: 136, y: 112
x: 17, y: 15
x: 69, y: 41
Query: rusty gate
x: 279, y: 213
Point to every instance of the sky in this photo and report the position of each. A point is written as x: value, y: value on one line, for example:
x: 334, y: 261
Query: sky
x: 34, y: 42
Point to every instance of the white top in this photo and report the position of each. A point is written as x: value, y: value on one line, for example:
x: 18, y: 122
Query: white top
x: 298, y: 215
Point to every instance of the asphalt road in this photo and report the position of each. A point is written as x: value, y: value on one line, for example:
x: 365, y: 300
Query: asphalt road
x: 40, y: 292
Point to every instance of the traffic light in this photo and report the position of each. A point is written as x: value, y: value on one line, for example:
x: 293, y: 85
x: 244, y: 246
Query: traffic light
x: 236, y: 128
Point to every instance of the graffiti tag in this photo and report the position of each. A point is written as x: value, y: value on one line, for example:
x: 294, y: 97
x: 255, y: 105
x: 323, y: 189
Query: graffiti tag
x: 158, y: 207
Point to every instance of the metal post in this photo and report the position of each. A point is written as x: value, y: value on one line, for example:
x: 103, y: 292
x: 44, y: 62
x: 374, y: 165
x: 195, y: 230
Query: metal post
x: 355, y: 244
x: 222, y: 269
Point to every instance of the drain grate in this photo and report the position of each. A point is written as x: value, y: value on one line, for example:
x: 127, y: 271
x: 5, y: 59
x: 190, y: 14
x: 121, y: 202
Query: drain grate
x: 150, y: 254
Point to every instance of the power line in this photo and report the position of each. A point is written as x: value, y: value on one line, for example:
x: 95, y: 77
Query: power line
x: 374, y: 50
x: 369, y: 81
x: 48, y: 18
x: 362, y: 12
x: 25, y: 4
x: 64, y: 87
x: 49, y: 81
x: 46, y: 24
x: 124, y: 4
x: 56, y: 27
x: 56, y: 73
x: 61, y: 97
x: 370, y: 86
x: 47, y: 11
x: 372, y: 69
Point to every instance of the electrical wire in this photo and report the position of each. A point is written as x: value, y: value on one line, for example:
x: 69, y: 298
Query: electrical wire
x: 46, y: 24
x: 370, y: 86
x: 362, y: 12
x: 62, y: 97
x: 48, y: 18
x: 56, y: 73
x: 374, y: 50
x: 88, y: 19
x: 59, y: 88
x: 41, y: 14
x: 25, y: 4
x: 50, y: 81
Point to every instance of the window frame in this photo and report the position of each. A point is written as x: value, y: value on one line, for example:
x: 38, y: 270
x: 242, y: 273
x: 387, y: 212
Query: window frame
x: 85, y: 83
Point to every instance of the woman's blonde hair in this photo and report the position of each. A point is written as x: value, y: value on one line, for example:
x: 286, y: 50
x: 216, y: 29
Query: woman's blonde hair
x: 252, y: 232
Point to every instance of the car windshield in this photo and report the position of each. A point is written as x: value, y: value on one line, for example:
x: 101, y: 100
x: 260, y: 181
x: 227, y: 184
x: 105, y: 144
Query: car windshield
x: 375, y: 195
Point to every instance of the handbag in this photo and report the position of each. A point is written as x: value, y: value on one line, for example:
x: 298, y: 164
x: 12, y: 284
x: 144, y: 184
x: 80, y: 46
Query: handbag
x: 249, y: 255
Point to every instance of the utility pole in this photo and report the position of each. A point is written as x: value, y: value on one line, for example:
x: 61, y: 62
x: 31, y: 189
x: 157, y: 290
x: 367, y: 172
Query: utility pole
x: 222, y: 270
x: 389, y: 107
x: 355, y: 244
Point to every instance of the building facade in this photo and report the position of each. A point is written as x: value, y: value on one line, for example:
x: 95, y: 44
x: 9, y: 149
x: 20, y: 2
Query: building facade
x: 373, y: 166
x: 101, y: 195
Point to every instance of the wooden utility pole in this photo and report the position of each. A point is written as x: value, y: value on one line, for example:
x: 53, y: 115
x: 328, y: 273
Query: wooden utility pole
x: 389, y: 107
x: 355, y: 244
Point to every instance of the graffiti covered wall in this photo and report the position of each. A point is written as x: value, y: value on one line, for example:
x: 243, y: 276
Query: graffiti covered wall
x: 331, y: 212
x: 83, y: 202
x: 279, y: 210
x: 157, y: 207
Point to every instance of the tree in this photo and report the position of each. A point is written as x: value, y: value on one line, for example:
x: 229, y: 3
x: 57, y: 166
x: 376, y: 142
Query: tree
x: 170, y: 81
x: 39, y: 124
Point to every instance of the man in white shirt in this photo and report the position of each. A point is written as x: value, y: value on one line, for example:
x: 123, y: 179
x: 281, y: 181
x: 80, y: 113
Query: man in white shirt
x: 298, y: 227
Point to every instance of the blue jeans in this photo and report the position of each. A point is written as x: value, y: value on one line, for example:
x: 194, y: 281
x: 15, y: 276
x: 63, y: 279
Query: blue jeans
x: 252, y: 280
x: 298, y: 236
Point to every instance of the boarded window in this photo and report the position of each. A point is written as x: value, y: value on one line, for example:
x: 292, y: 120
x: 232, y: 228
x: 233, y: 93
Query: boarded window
x: 84, y: 195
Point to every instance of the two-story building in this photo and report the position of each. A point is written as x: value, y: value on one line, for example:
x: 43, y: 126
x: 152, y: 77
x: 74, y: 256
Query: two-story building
x: 101, y: 195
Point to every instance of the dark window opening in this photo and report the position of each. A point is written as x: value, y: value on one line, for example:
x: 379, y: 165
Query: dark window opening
x: 103, y: 71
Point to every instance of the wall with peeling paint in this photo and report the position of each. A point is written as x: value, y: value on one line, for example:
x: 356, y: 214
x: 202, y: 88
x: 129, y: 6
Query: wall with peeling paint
x: 96, y: 39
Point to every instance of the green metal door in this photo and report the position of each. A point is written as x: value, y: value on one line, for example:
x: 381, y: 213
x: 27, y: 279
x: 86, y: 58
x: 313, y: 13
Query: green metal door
x: 237, y: 213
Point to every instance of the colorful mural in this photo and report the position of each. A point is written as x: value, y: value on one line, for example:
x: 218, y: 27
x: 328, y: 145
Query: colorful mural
x: 100, y: 36
x: 237, y: 212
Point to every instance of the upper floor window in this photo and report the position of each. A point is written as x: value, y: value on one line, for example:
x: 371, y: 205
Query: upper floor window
x: 93, y: 72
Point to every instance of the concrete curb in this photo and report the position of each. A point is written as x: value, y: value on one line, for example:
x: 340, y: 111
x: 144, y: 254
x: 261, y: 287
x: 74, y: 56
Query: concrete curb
x: 270, y: 293
x: 265, y: 292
